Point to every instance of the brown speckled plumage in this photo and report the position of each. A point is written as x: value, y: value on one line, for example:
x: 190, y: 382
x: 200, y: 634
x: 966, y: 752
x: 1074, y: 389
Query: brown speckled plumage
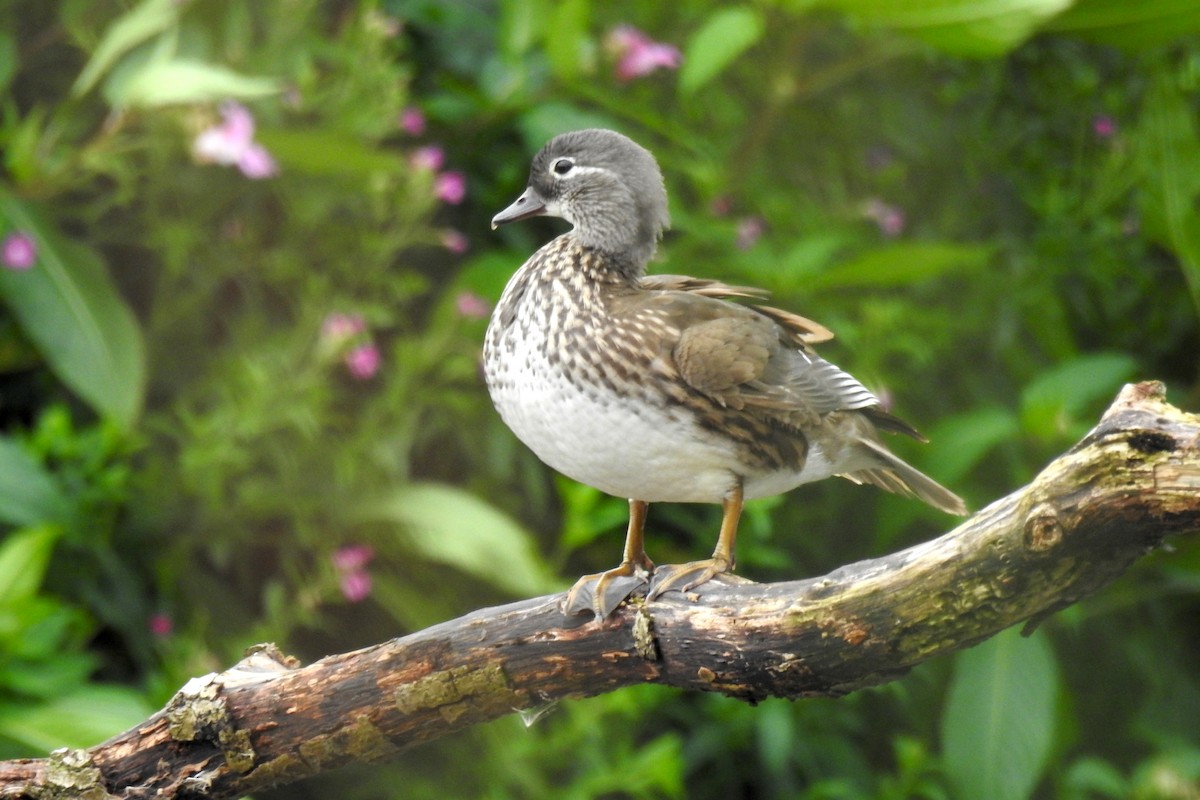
x: 605, y: 329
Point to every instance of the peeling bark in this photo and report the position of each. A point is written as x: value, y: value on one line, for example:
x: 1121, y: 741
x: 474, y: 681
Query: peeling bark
x: 1130, y: 483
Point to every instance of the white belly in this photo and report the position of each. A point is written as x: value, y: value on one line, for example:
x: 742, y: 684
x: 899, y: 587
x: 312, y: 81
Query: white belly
x: 640, y: 451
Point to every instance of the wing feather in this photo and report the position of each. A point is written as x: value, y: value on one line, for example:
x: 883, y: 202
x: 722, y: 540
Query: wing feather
x: 725, y: 350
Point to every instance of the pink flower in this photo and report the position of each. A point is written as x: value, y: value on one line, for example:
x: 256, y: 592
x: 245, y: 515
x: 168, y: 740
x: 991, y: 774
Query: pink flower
x: 412, y: 121
x: 19, y: 251
x: 889, y: 218
x: 161, y: 625
x: 749, y: 231
x: 1104, y: 126
x: 637, y: 54
x: 232, y: 144
x: 356, y: 585
x: 339, y: 328
x: 455, y: 241
x: 346, y: 335
x: 352, y: 557
x: 472, y: 306
x: 720, y: 205
x: 450, y: 187
x: 427, y: 159
x: 351, y: 561
x: 257, y: 163
x: 363, y: 361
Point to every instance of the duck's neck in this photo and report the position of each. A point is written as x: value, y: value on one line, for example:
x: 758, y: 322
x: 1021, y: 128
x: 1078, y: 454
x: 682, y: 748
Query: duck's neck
x: 621, y: 229
x: 603, y: 265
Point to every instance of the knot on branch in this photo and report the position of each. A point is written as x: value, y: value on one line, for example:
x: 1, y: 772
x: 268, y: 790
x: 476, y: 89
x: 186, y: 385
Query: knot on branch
x: 1043, y: 530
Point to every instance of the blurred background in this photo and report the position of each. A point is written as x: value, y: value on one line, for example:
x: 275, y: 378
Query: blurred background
x: 246, y: 271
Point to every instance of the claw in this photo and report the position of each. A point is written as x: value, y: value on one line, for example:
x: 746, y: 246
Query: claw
x: 685, y: 577
x: 603, y: 592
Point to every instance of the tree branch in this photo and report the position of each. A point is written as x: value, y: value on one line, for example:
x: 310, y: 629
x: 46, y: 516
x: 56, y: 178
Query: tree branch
x: 1114, y: 496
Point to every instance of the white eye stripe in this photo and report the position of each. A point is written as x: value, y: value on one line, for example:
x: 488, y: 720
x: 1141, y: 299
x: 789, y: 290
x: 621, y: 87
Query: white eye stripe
x: 573, y: 169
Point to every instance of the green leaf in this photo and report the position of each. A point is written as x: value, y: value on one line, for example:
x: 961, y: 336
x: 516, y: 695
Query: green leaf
x: 902, y: 264
x: 726, y: 34
x: 587, y: 512
x: 812, y: 254
x: 28, y: 493
x: 69, y: 308
x: 488, y: 273
x: 328, y: 152
x: 1144, y: 24
x: 1169, y: 156
x: 566, y: 40
x: 963, y: 27
x: 79, y: 719
x: 450, y: 526
x: 1051, y: 403
x: 49, y: 676
x: 1095, y: 777
x: 998, y: 723
x: 127, y: 32
x: 23, y: 559
x: 962, y: 441
x: 39, y: 629
x: 158, y: 82
x: 522, y: 23
x: 24, y: 142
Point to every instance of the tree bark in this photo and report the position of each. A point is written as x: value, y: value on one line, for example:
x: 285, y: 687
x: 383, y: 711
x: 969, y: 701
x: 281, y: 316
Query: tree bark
x: 1114, y: 496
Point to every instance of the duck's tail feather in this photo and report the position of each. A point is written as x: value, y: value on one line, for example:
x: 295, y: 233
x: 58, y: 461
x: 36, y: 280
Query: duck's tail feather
x: 896, y: 475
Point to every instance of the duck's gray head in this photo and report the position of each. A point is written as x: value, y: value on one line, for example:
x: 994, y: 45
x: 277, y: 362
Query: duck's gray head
x: 604, y: 184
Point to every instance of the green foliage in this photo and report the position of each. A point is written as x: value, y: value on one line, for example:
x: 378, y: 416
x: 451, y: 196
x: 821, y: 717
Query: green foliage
x: 134, y: 28
x: 72, y: 717
x: 1053, y: 403
x: 900, y: 264
x: 240, y: 407
x: 726, y: 34
x: 989, y: 28
x: 140, y: 55
x: 1171, y: 168
x: 1136, y: 26
x: 998, y: 725
x: 43, y: 701
x: 28, y: 493
x: 450, y: 526
x: 70, y: 309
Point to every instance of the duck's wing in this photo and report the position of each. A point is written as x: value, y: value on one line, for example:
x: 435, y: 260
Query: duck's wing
x: 801, y: 330
x: 744, y: 357
x: 700, y: 286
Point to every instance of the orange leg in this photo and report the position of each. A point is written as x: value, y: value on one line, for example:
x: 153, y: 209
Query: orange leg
x: 602, y: 592
x: 686, y: 577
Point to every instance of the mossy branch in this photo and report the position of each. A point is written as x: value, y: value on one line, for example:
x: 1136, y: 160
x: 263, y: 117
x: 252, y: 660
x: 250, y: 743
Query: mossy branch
x: 1130, y: 483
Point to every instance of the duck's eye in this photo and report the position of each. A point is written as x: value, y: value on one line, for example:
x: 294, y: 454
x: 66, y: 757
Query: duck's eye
x: 563, y: 166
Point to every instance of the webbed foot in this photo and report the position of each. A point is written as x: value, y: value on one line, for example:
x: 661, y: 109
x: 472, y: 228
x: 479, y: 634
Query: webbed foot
x: 602, y: 592
x: 685, y: 577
